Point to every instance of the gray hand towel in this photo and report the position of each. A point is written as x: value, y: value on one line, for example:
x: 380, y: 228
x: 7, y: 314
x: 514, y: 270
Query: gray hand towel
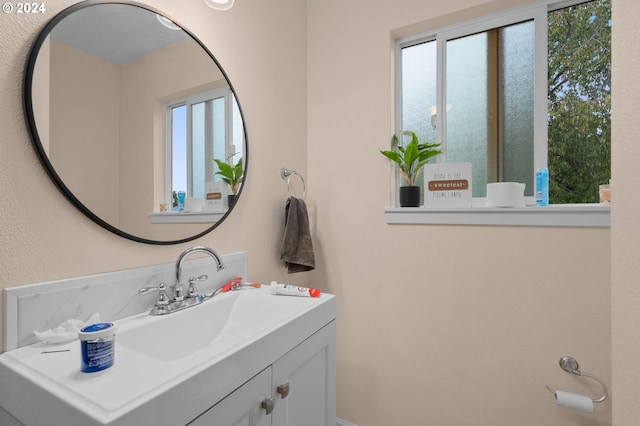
x: 296, y: 248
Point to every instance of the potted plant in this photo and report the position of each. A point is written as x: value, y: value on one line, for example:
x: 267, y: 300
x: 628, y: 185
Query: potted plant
x: 410, y: 159
x: 231, y: 175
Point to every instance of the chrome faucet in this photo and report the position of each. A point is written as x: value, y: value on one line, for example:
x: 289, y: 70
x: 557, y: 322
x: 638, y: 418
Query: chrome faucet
x: 165, y: 306
x: 192, y: 292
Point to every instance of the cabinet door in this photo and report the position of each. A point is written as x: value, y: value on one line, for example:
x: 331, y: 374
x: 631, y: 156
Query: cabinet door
x: 304, y: 382
x: 243, y: 407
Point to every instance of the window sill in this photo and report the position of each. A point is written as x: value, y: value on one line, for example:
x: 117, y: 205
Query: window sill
x: 178, y: 217
x: 569, y: 215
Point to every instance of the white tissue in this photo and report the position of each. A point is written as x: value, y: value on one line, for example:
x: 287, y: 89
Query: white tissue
x: 65, y: 332
x: 574, y: 401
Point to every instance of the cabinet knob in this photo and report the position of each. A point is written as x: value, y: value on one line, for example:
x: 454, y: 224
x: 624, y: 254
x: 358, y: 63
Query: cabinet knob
x: 267, y: 404
x: 283, y: 390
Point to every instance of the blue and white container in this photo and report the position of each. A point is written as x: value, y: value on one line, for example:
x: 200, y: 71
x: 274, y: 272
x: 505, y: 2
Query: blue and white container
x: 98, y: 345
x: 542, y: 187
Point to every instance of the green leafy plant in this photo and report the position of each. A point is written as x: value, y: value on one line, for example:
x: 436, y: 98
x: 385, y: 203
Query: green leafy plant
x: 412, y: 157
x: 232, y: 175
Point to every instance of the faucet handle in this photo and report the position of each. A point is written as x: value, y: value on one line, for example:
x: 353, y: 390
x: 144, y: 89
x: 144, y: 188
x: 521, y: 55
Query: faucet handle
x: 193, y: 291
x: 148, y: 290
x: 163, y: 299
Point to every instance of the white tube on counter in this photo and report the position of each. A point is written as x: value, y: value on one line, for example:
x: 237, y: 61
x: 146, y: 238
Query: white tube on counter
x: 291, y: 290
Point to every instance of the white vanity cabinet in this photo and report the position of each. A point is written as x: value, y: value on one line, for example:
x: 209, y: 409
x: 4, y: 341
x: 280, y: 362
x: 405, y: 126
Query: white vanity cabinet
x: 242, y: 407
x: 308, y: 374
x: 247, y: 347
x: 297, y: 389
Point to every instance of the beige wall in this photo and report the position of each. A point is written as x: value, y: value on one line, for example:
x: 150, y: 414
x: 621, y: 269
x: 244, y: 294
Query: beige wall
x: 447, y: 325
x: 625, y: 230
x: 442, y: 325
x: 84, y: 87
x: 44, y: 238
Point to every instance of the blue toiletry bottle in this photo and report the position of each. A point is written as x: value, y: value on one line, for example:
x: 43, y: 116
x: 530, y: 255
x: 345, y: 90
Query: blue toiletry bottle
x: 181, y: 196
x: 542, y: 187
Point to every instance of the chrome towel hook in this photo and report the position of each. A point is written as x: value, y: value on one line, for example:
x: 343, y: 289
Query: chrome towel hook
x: 287, y: 174
x: 570, y: 365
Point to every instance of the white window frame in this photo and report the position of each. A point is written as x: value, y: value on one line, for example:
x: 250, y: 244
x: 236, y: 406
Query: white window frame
x: 552, y: 215
x: 224, y: 92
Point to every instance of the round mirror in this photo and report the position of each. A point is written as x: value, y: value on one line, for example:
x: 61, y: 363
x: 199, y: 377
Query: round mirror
x: 135, y: 121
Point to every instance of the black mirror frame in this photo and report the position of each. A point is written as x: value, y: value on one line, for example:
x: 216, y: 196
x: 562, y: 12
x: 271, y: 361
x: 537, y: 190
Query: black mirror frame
x: 42, y: 155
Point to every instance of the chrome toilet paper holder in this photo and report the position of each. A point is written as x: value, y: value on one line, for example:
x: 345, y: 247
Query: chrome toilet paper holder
x: 570, y: 365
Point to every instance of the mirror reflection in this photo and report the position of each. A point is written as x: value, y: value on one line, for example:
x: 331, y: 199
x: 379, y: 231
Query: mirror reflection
x: 136, y: 122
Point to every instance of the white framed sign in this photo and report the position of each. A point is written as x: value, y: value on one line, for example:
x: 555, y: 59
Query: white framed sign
x: 216, y: 196
x: 447, y: 185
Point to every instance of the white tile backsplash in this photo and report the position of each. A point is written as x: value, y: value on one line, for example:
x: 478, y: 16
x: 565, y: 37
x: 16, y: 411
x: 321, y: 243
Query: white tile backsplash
x: 113, y: 295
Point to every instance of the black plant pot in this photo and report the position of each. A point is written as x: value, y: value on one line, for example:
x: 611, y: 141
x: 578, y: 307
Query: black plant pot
x: 409, y: 196
x: 231, y: 200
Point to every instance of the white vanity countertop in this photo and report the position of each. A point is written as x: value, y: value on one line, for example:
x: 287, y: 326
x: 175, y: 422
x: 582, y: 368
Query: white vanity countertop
x: 49, y: 388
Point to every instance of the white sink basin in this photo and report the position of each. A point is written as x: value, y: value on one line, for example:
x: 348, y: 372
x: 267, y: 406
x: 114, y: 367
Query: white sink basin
x: 213, y: 325
x: 161, y: 362
x: 183, y: 332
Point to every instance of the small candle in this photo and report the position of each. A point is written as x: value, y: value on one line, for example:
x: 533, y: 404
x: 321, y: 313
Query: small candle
x: 605, y: 194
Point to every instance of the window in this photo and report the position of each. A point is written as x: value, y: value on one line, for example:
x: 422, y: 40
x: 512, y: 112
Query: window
x: 515, y: 92
x: 200, y: 128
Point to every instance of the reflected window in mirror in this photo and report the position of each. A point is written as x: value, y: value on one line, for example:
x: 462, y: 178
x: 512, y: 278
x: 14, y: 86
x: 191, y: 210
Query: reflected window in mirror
x: 201, y: 128
x: 514, y: 92
x: 98, y: 80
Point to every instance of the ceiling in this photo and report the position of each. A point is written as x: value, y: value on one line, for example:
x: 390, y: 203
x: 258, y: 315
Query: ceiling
x: 115, y: 32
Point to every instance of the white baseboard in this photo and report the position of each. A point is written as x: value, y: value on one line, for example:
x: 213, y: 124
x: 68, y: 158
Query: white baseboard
x: 340, y: 422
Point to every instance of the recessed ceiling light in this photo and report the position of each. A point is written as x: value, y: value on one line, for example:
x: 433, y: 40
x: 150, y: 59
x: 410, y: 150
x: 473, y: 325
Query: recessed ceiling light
x: 167, y: 22
x: 220, y: 4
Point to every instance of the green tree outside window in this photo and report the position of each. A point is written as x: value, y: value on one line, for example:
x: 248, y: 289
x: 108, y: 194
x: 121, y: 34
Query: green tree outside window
x: 579, y: 101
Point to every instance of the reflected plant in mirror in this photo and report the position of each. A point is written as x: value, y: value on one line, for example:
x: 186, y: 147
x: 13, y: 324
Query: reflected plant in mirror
x: 232, y: 176
x: 126, y: 108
